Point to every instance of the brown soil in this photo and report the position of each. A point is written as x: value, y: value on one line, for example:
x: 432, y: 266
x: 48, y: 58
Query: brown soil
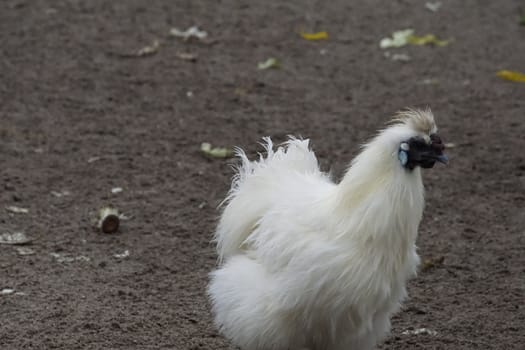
x: 69, y: 92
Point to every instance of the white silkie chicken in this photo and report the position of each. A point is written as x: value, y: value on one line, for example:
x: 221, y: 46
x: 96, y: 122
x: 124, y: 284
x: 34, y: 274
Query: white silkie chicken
x: 306, y: 263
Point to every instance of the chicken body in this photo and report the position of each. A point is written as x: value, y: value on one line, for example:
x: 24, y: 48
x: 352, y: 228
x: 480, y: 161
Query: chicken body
x: 310, y: 264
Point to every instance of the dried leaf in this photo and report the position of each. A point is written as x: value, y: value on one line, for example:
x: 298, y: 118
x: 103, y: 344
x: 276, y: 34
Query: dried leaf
x: 406, y: 36
x: 150, y: 49
x: 16, y: 210
x: 426, y: 40
x: 192, y: 32
x: 215, y: 152
x: 511, y: 76
x: 269, y: 63
x: 315, y: 36
x: 15, y: 238
x: 240, y: 91
x: 429, y: 264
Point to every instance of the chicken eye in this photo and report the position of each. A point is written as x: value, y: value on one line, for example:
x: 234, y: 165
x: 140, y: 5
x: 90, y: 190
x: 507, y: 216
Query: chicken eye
x: 403, y: 157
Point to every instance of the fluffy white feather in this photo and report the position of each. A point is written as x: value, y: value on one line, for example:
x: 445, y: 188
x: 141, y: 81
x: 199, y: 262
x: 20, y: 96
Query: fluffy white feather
x: 308, y: 263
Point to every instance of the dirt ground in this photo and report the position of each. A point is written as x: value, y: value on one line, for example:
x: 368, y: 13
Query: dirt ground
x: 79, y: 116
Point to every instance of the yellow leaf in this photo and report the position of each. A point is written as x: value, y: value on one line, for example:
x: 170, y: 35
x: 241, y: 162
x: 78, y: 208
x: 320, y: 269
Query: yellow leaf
x: 315, y: 36
x: 512, y: 76
x: 427, y: 39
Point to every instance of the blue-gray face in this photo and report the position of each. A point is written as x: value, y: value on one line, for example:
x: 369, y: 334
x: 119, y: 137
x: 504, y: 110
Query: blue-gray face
x: 417, y: 152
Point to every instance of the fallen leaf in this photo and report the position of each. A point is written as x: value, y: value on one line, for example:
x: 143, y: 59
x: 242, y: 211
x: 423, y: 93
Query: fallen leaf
x: 15, y: 238
x: 16, y: 210
x: 315, y: 36
x: 215, y: 152
x: 192, y: 32
x: 511, y: 76
x: 427, y: 39
x: 433, y: 6
x: 431, y: 263
x: 269, y: 63
x: 240, y: 91
x: 404, y: 37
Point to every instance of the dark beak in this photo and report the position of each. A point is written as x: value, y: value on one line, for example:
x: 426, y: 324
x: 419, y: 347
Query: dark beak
x: 437, y: 147
x: 442, y: 158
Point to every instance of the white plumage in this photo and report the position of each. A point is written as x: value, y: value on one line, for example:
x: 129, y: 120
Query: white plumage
x: 306, y: 263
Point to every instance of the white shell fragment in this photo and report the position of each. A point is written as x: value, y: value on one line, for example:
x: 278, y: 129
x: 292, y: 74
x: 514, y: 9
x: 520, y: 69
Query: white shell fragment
x: 61, y: 258
x: 93, y: 159
x: 402, y: 57
x: 25, y: 251
x: 399, y: 39
x: 123, y: 255
x: 192, y: 32
x: 7, y: 291
x: 116, y: 190
x: 433, y: 6
x: 14, y: 238
x: 419, y: 331
x: 16, y: 210
x: 60, y: 194
x: 150, y: 49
